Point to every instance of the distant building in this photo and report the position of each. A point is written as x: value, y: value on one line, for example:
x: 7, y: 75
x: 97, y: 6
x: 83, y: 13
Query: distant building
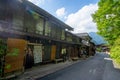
x: 85, y: 38
x: 86, y: 43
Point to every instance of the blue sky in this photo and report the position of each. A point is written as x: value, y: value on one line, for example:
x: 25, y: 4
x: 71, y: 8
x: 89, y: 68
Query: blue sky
x: 76, y: 13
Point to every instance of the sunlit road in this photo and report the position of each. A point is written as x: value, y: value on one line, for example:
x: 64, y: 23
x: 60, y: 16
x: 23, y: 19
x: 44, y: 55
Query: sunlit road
x: 99, y: 67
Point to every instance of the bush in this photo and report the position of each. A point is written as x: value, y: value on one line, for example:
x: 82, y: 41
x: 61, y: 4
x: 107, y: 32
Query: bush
x: 115, y: 50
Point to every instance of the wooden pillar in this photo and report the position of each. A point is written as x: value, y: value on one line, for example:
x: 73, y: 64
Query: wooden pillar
x: 44, y: 23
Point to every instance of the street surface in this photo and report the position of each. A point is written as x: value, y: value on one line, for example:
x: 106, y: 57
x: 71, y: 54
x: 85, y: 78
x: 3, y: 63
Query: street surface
x: 99, y: 67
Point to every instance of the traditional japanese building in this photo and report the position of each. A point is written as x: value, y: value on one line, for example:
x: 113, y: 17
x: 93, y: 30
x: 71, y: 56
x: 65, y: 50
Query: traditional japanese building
x: 87, y: 44
x: 23, y: 24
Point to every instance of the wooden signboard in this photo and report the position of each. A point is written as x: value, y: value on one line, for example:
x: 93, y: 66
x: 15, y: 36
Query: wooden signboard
x: 15, y: 55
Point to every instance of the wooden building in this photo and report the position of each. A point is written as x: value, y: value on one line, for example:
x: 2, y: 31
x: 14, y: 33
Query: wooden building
x: 87, y: 44
x: 23, y: 24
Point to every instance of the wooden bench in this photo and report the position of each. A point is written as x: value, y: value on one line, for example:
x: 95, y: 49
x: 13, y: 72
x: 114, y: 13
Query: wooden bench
x: 75, y: 58
x: 58, y: 60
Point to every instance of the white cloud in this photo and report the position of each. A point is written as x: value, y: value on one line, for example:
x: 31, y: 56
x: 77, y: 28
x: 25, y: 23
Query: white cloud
x: 37, y: 2
x: 60, y: 12
x: 81, y: 21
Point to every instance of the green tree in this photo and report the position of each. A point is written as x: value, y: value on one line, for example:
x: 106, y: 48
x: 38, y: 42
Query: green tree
x: 115, y: 50
x: 108, y: 20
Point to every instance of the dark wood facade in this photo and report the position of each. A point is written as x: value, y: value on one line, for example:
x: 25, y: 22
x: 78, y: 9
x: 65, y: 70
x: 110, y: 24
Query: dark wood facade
x: 87, y: 44
x: 24, y: 21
